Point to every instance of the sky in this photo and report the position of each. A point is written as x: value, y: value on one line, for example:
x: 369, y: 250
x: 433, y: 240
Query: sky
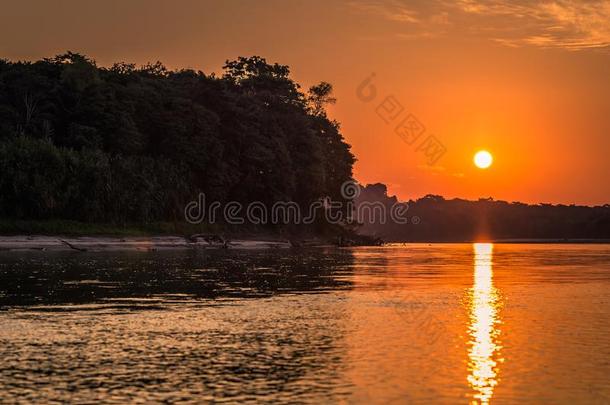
x: 528, y: 81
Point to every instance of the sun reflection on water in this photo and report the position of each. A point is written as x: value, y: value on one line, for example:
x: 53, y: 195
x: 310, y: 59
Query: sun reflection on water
x: 483, y: 332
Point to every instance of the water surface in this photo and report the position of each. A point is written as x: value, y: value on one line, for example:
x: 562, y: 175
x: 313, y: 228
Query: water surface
x: 455, y: 323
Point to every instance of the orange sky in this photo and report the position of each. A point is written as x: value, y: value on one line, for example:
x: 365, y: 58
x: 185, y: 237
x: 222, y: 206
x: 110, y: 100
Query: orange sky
x: 529, y: 81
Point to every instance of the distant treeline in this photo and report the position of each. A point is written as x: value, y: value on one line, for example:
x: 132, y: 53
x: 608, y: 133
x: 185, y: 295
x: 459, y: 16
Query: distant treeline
x: 135, y: 144
x: 438, y: 219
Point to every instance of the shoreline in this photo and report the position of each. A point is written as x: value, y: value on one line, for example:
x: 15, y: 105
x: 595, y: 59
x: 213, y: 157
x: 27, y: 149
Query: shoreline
x: 18, y: 243
x: 145, y: 244
x: 525, y: 241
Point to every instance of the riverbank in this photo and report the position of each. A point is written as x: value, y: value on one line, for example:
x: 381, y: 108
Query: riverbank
x: 82, y: 236
x: 101, y: 243
x: 13, y: 227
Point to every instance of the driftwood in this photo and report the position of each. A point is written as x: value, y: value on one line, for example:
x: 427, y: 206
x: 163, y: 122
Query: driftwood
x: 211, y: 239
x: 71, y: 246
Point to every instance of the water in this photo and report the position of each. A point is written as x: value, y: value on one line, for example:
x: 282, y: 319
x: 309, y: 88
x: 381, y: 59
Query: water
x: 400, y: 324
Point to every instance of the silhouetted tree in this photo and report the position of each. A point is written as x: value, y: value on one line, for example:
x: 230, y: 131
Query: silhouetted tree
x: 128, y: 143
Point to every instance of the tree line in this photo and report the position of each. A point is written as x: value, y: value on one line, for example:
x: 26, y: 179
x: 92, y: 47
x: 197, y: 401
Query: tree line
x: 134, y: 144
x: 434, y: 218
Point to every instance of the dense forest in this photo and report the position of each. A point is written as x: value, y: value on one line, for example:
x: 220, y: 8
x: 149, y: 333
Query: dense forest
x: 135, y: 144
x: 434, y: 218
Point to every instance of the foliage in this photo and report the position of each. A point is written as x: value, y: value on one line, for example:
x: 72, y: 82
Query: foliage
x: 459, y: 220
x: 127, y: 144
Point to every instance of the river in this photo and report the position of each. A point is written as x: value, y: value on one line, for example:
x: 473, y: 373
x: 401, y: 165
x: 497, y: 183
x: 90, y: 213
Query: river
x: 414, y: 323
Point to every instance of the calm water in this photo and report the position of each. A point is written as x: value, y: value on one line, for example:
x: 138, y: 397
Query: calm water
x: 400, y: 324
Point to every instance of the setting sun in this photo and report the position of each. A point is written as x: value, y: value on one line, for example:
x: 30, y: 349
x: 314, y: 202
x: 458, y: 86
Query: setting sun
x: 483, y: 159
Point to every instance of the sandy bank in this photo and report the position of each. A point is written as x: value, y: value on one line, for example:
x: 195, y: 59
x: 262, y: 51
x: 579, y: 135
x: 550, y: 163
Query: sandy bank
x: 54, y: 243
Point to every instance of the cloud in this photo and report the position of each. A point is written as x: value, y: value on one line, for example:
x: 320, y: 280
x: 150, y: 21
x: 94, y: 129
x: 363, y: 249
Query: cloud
x: 390, y: 9
x: 436, y: 169
x: 567, y: 24
x: 571, y: 24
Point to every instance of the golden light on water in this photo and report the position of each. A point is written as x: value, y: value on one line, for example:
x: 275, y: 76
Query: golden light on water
x: 483, y: 344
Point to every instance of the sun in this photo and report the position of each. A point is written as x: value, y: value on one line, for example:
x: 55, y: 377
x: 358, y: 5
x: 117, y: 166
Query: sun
x: 483, y: 159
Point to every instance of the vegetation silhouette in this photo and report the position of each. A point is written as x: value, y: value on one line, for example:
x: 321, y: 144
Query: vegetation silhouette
x: 457, y: 220
x: 131, y: 144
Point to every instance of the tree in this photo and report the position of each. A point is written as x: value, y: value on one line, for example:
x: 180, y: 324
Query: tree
x: 319, y: 96
x: 135, y: 144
